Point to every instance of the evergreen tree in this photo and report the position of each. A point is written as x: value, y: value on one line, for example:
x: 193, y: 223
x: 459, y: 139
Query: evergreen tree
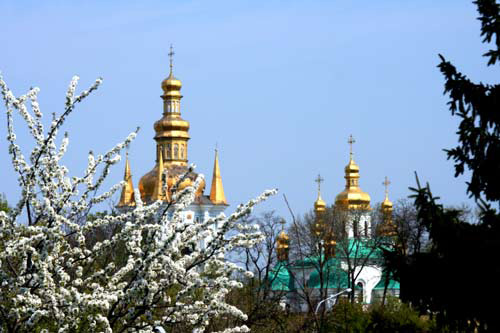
x: 456, y: 279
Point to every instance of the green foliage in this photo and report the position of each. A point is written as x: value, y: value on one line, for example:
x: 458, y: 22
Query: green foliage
x: 450, y: 280
x: 348, y: 317
x: 396, y: 316
x: 478, y: 106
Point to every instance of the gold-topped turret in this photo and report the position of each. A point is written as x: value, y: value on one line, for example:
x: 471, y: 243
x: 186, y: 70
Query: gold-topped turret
x: 352, y: 197
x: 386, y: 204
x: 217, y: 190
x: 319, y: 204
x: 319, y: 210
x: 171, y: 136
x: 283, y: 244
x: 387, y: 227
x: 127, y: 197
x: 171, y: 130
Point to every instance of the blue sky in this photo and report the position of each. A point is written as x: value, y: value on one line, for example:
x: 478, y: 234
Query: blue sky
x: 279, y: 85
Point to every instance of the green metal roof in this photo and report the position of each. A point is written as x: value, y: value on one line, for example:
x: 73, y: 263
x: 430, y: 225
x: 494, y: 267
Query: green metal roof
x: 333, y: 276
x: 359, y: 248
x: 281, y: 278
x: 393, y: 284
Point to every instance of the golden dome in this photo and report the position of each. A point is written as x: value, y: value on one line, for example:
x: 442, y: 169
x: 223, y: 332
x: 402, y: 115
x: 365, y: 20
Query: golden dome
x: 148, y: 182
x: 386, y: 204
x: 171, y: 86
x: 352, y: 167
x: 283, y: 236
x: 319, y: 204
x: 352, y: 197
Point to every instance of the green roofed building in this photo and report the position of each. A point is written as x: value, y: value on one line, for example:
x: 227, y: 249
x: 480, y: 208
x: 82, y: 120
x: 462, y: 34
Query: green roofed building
x: 352, y: 259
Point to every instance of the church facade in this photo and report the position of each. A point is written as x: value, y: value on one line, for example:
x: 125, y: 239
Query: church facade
x: 347, y: 252
x: 171, y: 155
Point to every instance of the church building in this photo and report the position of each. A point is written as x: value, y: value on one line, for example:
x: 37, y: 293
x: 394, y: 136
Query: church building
x: 172, y: 136
x: 347, y: 253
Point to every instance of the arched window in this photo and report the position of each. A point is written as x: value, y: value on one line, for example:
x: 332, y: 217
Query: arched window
x: 169, y: 151
x: 360, y: 292
x: 182, y: 150
x: 176, y: 150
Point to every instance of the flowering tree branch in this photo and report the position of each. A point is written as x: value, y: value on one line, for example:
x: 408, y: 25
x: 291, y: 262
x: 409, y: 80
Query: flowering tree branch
x: 52, y: 276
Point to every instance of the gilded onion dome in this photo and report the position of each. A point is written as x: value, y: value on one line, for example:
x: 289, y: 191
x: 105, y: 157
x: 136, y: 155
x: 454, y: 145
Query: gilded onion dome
x: 283, y: 242
x: 319, y: 204
x: 386, y: 205
x: 352, y: 197
x: 387, y: 227
x: 319, y: 210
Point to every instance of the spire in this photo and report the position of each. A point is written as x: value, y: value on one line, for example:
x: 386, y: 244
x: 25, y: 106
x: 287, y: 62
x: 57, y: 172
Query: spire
x: 158, y: 190
x: 217, y: 190
x: 127, y: 196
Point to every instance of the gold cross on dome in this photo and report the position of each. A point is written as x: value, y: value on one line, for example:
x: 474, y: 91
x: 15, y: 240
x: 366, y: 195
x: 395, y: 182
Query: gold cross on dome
x: 386, y: 183
x: 171, y: 56
x: 319, y: 180
x: 351, y: 141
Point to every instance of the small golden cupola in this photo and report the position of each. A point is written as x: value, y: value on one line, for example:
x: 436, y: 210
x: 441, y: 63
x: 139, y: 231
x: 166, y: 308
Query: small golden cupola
x: 387, y: 227
x: 217, y: 190
x: 171, y: 136
x: 319, y: 204
x: 386, y: 205
x: 352, y: 197
x: 319, y: 209
x: 283, y: 244
x: 127, y: 198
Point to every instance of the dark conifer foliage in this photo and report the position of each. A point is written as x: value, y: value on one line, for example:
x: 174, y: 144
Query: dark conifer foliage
x: 456, y: 279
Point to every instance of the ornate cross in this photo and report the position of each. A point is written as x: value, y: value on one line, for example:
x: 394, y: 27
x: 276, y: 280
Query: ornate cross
x: 351, y: 141
x: 319, y: 180
x: 171, y: 56
x: 386, y: 183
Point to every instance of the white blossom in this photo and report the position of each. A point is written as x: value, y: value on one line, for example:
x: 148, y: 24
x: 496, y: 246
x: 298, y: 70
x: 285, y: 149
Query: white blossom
x: 54, y: 274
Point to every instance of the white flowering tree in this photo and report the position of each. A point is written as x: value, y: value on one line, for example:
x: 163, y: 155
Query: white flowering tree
x: 50, y: 275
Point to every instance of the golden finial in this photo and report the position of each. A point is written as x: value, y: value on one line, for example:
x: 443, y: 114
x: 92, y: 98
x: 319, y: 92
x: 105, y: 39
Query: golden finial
x: 351, y: 141
x: 171, y: 56
x: 386, y: 183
